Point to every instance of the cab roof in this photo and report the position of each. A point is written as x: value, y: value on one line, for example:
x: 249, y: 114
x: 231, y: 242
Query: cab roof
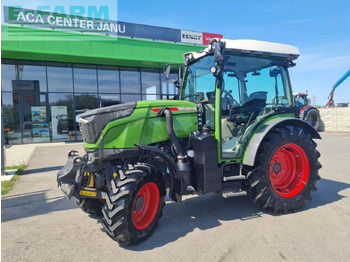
x: 262, y: 47
x: 246, y: 46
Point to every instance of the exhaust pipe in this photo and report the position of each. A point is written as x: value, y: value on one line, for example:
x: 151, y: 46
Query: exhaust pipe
x: 171, y: 133
x: 185, y: 167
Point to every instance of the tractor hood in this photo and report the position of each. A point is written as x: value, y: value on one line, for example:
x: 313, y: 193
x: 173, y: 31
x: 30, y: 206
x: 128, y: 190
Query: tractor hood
x: 138, y: 122
x: 93, y: 121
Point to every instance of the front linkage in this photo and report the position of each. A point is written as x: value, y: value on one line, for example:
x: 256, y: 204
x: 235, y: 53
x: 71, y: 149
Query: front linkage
x: 129, y: 194
x: 77, y: 178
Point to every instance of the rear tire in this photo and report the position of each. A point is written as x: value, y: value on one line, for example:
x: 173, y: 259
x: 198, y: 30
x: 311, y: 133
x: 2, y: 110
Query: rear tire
x: 286, y: 170
x: 134, y: 204
x: 90, y: 206
x: 313, y: 118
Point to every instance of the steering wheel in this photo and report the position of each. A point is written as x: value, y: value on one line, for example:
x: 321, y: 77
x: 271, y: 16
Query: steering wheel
x: 228, y: 99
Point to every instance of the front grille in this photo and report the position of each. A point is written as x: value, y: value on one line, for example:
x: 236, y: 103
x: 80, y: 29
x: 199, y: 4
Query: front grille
x: 94, y: 121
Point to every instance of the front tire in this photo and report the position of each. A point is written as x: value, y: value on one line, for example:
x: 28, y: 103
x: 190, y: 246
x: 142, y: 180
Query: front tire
x: 134, y: 205
x: 90, y: 206
x: 286, y: 170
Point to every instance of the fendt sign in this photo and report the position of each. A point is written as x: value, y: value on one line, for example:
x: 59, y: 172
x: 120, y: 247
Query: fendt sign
x: 37, y: 18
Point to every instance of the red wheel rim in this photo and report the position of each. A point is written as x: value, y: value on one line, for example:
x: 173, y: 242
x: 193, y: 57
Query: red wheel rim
x: 145, y: 205
x: 289, y: 170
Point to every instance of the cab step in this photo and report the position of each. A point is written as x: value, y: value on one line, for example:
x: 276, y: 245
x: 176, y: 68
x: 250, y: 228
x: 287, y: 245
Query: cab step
x: 233, y: 193
x: 231, y: 178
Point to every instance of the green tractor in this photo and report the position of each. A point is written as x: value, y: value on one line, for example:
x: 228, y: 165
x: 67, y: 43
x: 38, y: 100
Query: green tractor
x: 233, y: 131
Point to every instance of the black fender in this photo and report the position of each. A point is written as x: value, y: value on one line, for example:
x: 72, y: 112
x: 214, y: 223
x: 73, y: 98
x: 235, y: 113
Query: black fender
x: 304, y: 111
x: 253, y: 146
x: 175, y: 178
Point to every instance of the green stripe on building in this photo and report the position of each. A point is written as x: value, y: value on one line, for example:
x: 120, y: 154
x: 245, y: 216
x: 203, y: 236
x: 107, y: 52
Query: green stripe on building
x: 31, y: 43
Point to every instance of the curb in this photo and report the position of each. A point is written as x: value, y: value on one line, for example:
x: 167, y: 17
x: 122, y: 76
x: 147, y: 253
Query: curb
x: 9, y: 175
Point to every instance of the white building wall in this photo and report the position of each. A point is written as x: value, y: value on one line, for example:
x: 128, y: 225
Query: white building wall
x: 335, y: 119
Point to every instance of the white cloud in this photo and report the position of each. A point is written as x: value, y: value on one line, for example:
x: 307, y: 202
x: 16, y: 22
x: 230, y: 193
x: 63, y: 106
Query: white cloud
x: 321, y: 62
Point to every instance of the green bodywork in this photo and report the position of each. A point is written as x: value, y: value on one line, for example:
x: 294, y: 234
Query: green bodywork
x: 145, y: 127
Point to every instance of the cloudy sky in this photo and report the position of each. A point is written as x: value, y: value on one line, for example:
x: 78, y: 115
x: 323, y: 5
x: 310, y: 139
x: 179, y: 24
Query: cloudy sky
x: 320, y: 29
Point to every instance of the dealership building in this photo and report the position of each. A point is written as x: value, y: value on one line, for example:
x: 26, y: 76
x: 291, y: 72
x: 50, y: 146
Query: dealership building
x: 54, y: 71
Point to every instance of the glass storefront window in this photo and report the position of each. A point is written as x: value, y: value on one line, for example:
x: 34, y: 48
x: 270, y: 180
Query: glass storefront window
x: 10, y: 113
x: 108, y: 100
x: 130, y: 80
x: 169, y: 97
x: 108, y: 79
x: 150, y: 81
x: 33, y: 71
x: 85, y: 78
x: 150, y: 97
x: 8, y: 73
x: 86, y: 101
x: 59, y: 77
x: 62, y: 116
x: 59, y: 92
x: 130, y: 98
x: 168, y: 85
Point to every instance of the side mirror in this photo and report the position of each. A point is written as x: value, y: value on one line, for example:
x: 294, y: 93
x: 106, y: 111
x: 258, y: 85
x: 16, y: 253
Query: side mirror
x: 219, y: 52
x: 176, y: 83
x: 167, y: 72
x: 275, y: 72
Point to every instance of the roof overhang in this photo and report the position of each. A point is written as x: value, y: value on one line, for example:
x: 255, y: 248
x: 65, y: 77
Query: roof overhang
x: 245, y: 46
x: 262, y: 47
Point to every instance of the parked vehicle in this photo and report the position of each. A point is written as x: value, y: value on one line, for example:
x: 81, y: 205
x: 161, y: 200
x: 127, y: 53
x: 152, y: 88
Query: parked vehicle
x: 234, y: 131
x: 306, y: 111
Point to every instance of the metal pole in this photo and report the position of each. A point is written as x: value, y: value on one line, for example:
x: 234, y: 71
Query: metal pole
x: 2, y: 146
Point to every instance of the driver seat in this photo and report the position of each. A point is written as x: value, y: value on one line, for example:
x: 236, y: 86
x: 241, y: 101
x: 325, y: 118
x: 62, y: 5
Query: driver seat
x: 261, y: 95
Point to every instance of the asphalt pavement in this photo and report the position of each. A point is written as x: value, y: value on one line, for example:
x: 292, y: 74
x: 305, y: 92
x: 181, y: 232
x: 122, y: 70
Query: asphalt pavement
x: 39, y: 224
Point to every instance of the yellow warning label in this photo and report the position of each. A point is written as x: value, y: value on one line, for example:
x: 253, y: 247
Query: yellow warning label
x: 87, y: 193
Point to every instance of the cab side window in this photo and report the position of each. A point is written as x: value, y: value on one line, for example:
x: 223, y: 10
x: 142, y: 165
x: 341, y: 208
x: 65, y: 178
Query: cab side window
x: 269, y: 81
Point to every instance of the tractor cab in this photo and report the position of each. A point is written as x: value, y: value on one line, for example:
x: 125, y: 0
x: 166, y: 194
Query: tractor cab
x: 236, y: 89
x: 301, y: 100
x: 305, y: 110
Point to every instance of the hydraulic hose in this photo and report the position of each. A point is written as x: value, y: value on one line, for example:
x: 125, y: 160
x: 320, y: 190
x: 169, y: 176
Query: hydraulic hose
x: 169, y: 127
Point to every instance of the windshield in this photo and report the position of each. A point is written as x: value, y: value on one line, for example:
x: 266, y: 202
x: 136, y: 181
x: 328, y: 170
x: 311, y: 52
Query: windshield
x: 199, y: 81
x: 301, y: 101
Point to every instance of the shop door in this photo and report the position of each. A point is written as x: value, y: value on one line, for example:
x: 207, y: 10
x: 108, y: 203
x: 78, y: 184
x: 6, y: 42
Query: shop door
x: 34, y: 117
